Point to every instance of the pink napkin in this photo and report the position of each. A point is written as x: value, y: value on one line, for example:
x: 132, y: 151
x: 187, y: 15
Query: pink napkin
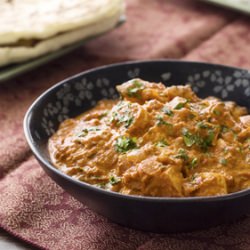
x: 33, y: 207
x: 230, y: 46
x: 160, y: 29
x: 39, y: 211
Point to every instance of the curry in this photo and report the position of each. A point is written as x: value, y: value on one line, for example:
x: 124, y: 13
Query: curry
x: 157, y: 141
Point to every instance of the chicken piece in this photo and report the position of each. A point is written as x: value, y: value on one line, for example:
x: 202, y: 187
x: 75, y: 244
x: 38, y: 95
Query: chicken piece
x: 235, y: 109
x: 245, y: 120
x: 241, y: 179
x: 140, y: 91
x: 130, y: 118
x: 205, y: 184
x: 244, y: 134
x: 151, y: 178
x: 184, y: 92
x: 134, y: 157
x: 177, y: 103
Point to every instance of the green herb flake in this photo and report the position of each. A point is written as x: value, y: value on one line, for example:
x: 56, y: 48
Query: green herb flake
x: 113, y: 117
x: 182, y: 154
x: 125, y: 119
x: 135, y: 89
x: 124, y: 144
x: 85, y: 131
x: 217, y: 112
x: 114, y: 180
x: 193, y: 163
x: 192, y: 178
x: 94, y: 129
x: 203, y: 142
x: 209, y: 139
x: 223, y: 161
x: 195, y: 179
x: 189, y: 139
x: 202, y: 125
x: 104, y: 114
x: 161, y: 144
x: 180, y: 105
x: 167, y: 111
x: 224, y: 129
x: 161, y: 121
x: 235, y: 135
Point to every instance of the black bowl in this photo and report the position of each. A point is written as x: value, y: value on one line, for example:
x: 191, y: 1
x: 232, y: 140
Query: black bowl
x: 78, y: 93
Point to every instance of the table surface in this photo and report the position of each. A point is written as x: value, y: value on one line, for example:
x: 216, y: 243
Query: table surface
x: 8, y: 242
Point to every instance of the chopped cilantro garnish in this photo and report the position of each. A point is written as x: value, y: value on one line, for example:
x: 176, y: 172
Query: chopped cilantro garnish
x: 223, y: 161
x: 161, y: 121
x: 85, y: 131
x: 217, y: 112
x: 189, y: 139
x: 208, y: 140
x: 235, y: 135
x: 195, y: 179
x: 122, y: 114
x: 126, y: 119
x: 202, y: 125
x: 182, y: 154
x: 103, y: 114
x: 94, y: 129
x: 224, y: 128
x: 114, y: 180
x: 134, y: 90
x: 193, y: 163
x: 181, y: 105
x: 124, y: 144
x: 162, y: 144
x: 192, y: 178
x: 167, y: 111
x: 203, y: 142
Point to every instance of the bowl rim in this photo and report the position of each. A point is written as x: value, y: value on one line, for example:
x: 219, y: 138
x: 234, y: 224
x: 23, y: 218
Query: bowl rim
x: 40, y: 158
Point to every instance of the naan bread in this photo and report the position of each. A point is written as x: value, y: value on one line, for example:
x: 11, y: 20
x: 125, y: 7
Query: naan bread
x: 30, y: 28
x: 40, y: 19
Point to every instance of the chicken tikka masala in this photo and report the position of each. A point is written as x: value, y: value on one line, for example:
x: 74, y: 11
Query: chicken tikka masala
x: 157, y: 141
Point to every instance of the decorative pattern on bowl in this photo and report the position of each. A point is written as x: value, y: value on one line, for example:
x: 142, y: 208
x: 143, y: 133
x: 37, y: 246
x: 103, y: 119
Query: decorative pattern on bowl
x: 82, y: 90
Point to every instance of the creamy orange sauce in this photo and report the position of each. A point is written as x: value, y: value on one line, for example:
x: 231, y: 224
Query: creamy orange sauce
x: 157, y: 141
